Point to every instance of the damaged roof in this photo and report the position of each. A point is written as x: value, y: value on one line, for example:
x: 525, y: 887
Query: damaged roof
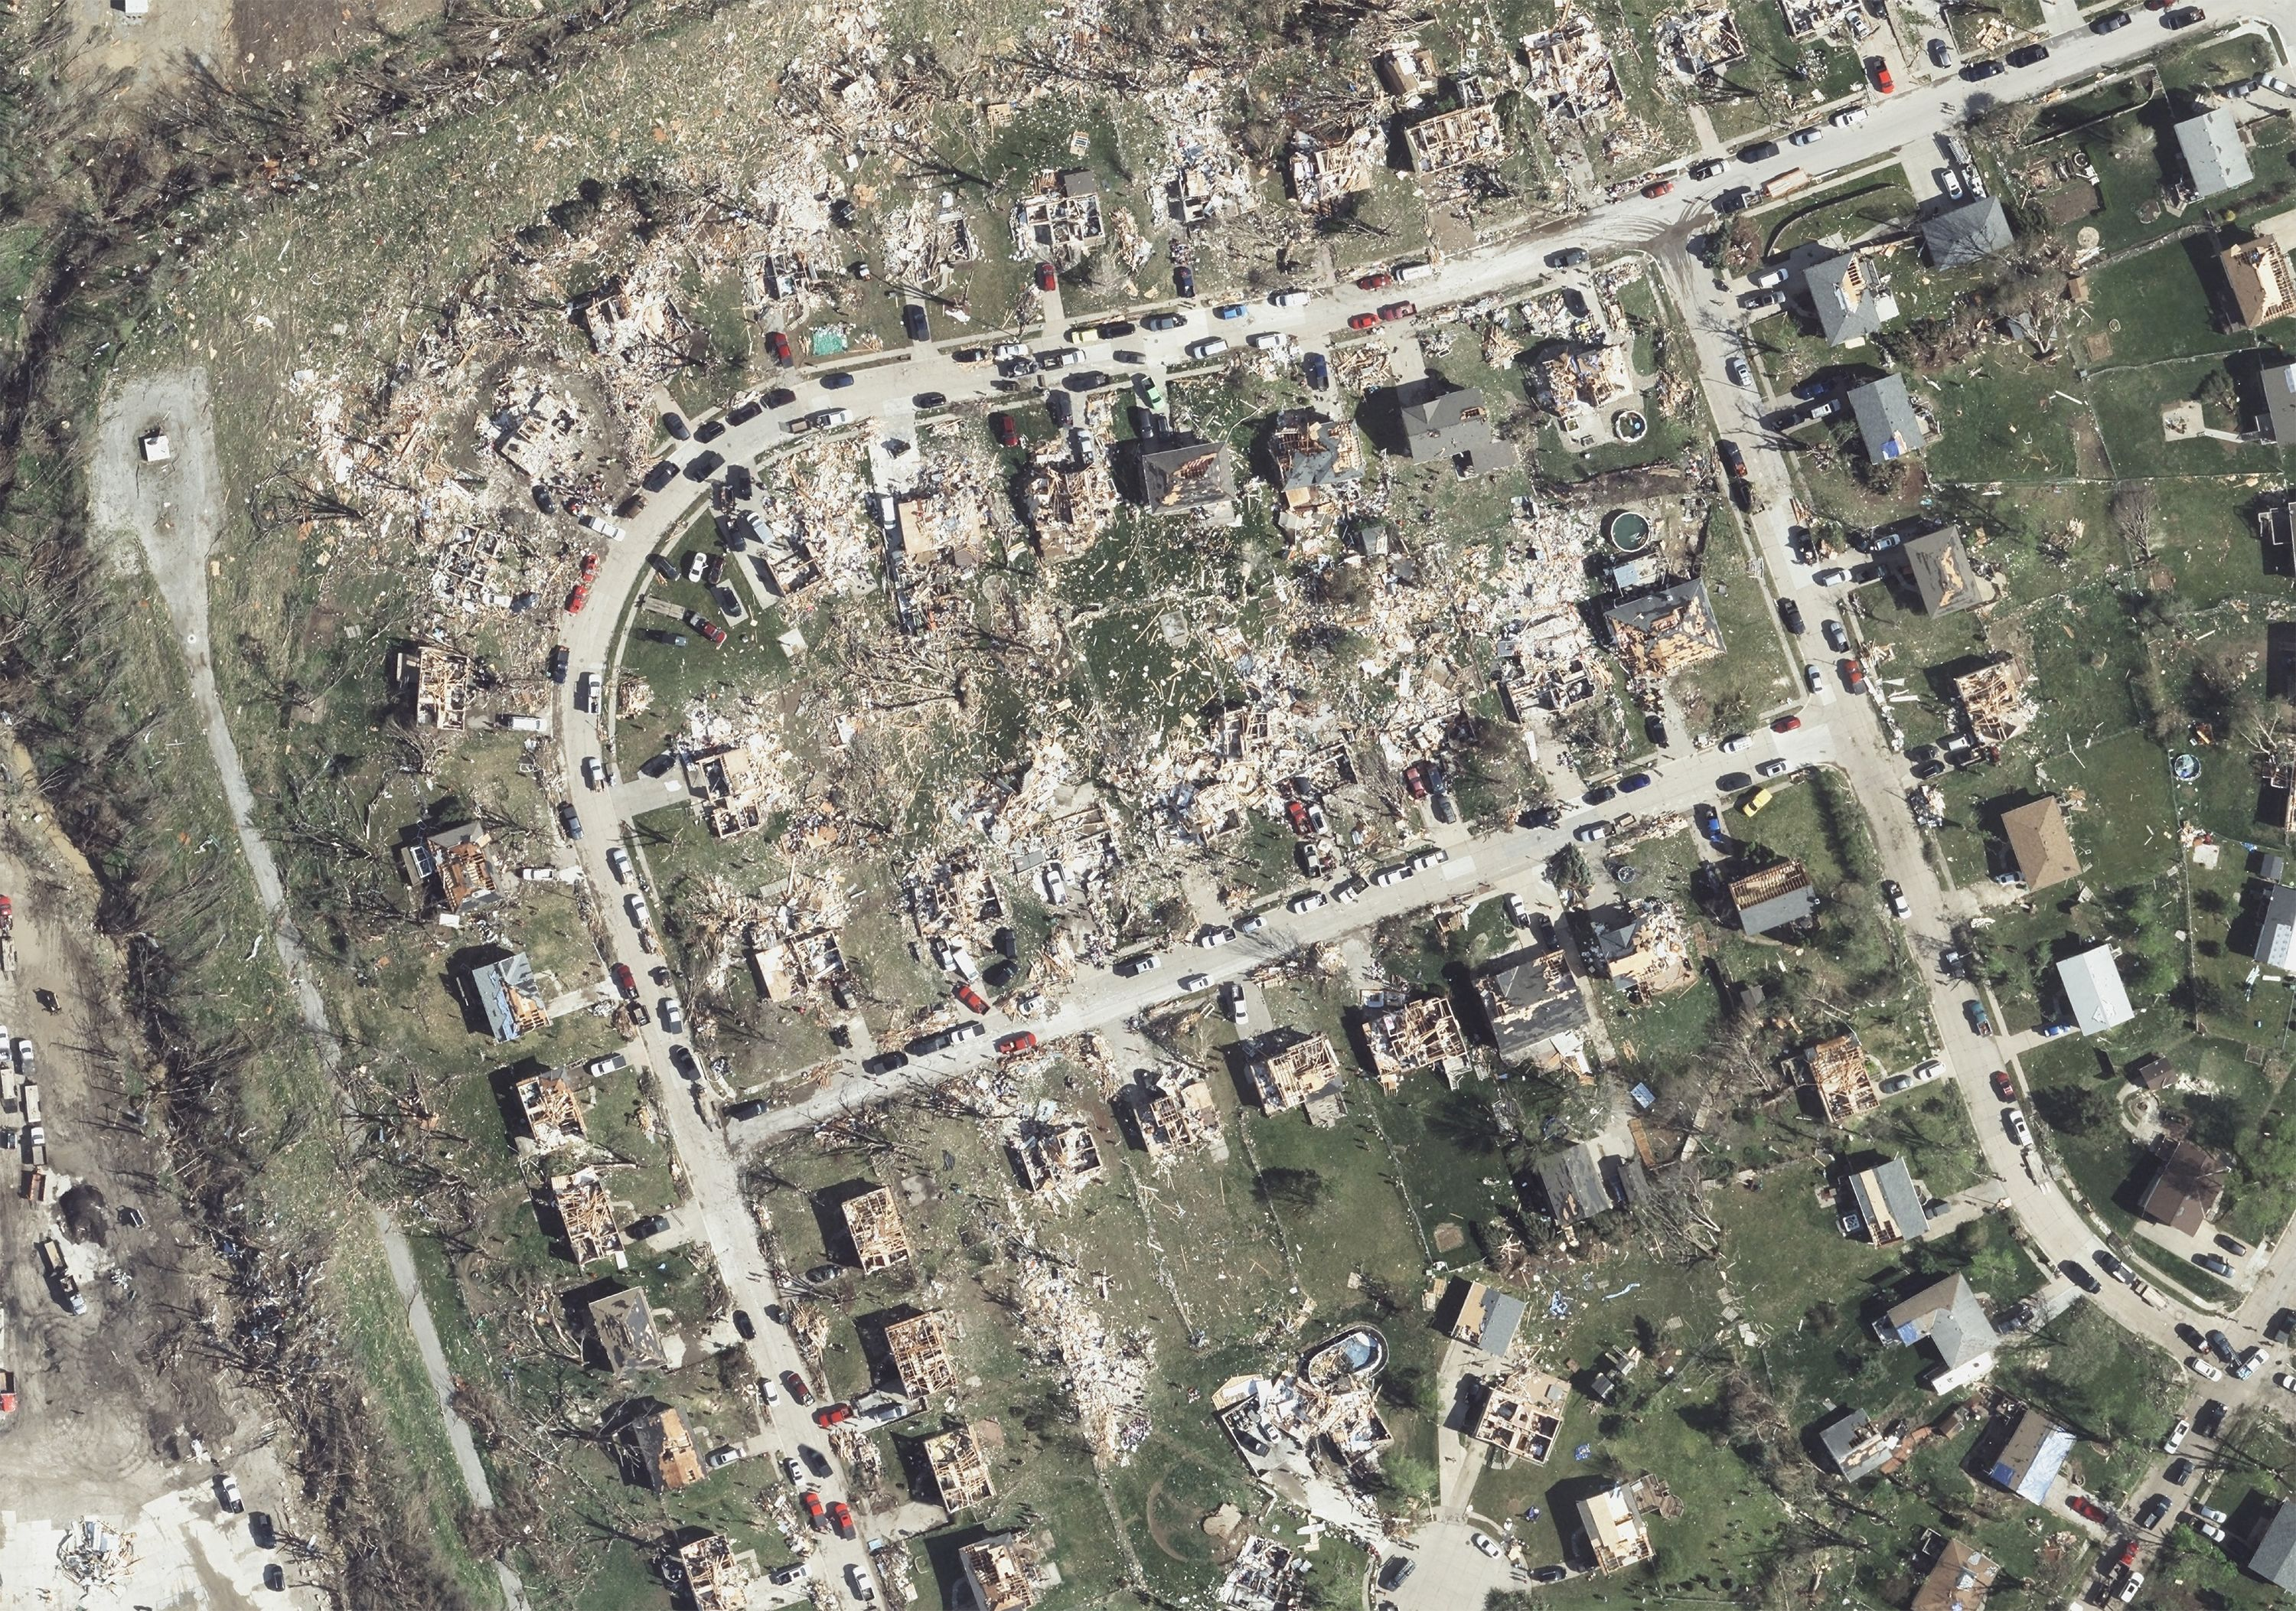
x: 1937, y: 565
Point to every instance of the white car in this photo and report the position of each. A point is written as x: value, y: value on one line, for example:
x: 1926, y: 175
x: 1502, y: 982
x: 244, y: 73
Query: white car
x: 1763, y: 279
x: 1269, y: 341
x: 640, y: 916
x: 1925, y: 1072
x: 1307, y: 900
x: 2202, y: 1369
x: 1232, y: 1004
x: 1848, y: 117
x: 2131, y: 1585
x: 828, y: 419
x: 2206, y: 1514
x: 1290, y: 299
x: 1347, y: 889
x: 1217, y: 935
x: 2281, y: 1379
x: 612, y: 1063
x: 1812, y: 676
x: 1428, y: 859
x: 1209, y: 347
x: 1775, y: 766
x: 1517, y: 913
x: 1192, y: 982
x: 2206, y: 1529
x: 1948, y: 180
x: 618, y: 863
x: 2176, y: 1438
x: 1832, y: 576
x: 1735, y: 742
x: 2013, y: 1119
x: 672, y: 1016
x: 1486, y: 1543
x: 858, y: 1581
x: 793, y: 1470
x: 1805, y: 137
x: 720, y: 1458
x: 1387, y: 875
x: 1250, y: 925
x: 1591, y: 833
x: 594, y: 772
x: 1736, y: 368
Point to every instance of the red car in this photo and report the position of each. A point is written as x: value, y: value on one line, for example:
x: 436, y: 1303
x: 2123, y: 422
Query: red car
x: 1363, y: 320
x: 2127, y: 1559
x: 1376, y: 282
x: 1659, y: 187
x: 970, y: 998
x: 814, y: 1512
x: 2080, y: 1504
x: 1047, y: 280
x: 777, y: 343
x: 843, y: 1518
x: 797, y: 1391
x: 829, y: 1415
x: 1006, y: 434
x: 626, y: 982
x: 1296, y: 814
x: 578, y: 598
x: 1398, y: 310
x: 1785, y: 723
x: 1880, y: 69
x: 2003, y: 1087
x: 1415, y: 778
x: 589, y: 566
x: 1854, y: 675
x: 711, y: 633
x: 1019, y: 1040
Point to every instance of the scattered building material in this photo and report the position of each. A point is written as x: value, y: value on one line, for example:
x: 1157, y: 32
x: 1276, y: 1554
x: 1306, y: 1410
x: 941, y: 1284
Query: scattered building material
x: 587, y: 1213
x: 1615, y: 1532
x: 1325, y: 175
x: 1995, y: 701
x: 1302, y: 1072
x: 919, y: 1348
x: 1773, y: 898
x: 1057, y: 1156
x: 1702, y: 43
x: 621, y: 1324
x: 874, y: 1220
x: 1665, y: 632
x: 960, y: 1470
x: 1571, y: 75
x: 1521, y: 1413
x: 453, y: 868
x: 1854, y: 1444
x: 715, y: 1577
x: 1537, y: 1013
x: 1172, y: 1112
x: 438, y: 682
x: 510, y: 997
x: 552, y: 1111
x: 1419, y: 1034
x: 660, y: 1451
x: 1447, y: 140
x: 1579, y: 1182
x: 1002, y: 1570
x: 1061, y: 217
x: 1184, y: 474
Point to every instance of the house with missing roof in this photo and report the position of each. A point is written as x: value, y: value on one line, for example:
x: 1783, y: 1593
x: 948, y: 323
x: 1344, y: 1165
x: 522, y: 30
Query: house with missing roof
x: 1481, y: 1317
x: 1579, y: 1182
x: 2214, y: 159
x: 2039, y: 843
x: 1947, y: 1316
x: 1774, y: 897
x: 2031, y: 1456
x: 1935, y: 567
x: 1854, y: 1445
x: 1535, y: 1011
x: 1958, y: 1580
x: 1888, y: 425
x: 2093, y: 990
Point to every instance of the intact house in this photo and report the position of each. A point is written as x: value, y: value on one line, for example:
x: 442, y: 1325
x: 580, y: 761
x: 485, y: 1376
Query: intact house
x: 509, y: 995
x: 620, y: 1327
x: 2274, y: 1556
x: 1888, y: 1208
x: 1521, y: 1413
x: 1958, y: 1580
x: 1966, y: 233
x: 1532, y: 1002
x: 1935, y: 568
x: 1481, y: 1317
x: 2093, y: 990
x: 2209, y: 146
x: 2182, y: 1187
x: 1579, y: 1182
x: 2039, y: 843
x: 2278, y: 383
x: 1663, y: 632
x: 2276, y: 930
x: 1854, y: 1444
x: 1946, y: 1315
x: 1888, y: 425
x: 1846, y: 293
x: 2030, y: 1457
x: 1441, y: 420
x: 1774, y: 897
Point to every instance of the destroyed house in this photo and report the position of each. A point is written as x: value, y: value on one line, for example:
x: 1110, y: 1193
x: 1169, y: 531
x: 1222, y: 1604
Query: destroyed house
x: 724, y: 782
x: 621, y: 1324
x: 1068, y: 505
x: 1001, y: 1571
x: 1521, y: 1414
x: 1313, y: 455
x: 1532, y: 1003
x: 1571, y: 74
x: 1946, y: 1315
x: 587, y: 1213
x: 1994, y: 702
x: 1302, y: 1073
x: 660, y: 1450
x: 1172, y: 1112
x: 2215, y: 159
x: 1959, y: 1579
x: 552, y: 1113
x: 1324, y: 175
x: 1441, y: 420
x: 1186, y: 473
x: 1403, y: 1039
x: 1838, y: 1070
x: 2185, y: 1183
x: 1406, y: 69
x: 1470, y: 135
x: 2262, y: 285
x: 1966, y: 233
x: 873, y: 1221
x: 1936, y: 566
x: 960, y: 1470
x: 1663, y: 633
x: 438, y: 682
x: 1054, y: 1155
x: 1061, y: 212
x: 1888, y: 425
x: 615, y: 323
x: 1888, y: 1209
x: 1854, y: 1445
x: 1774, y: 897
x: 508, y: 995
x: 1481, y: 1317
x: 1583, y: 374
x: 918, y: 1347
x: 2039, y: 843
x: 715, y: 1578
x: 1616, y: 1536
x: 1845, y: 294
x: 454, y: 867
x: 2030, y: 1458
x: 1700, y: 42
x: 1579, y: 1182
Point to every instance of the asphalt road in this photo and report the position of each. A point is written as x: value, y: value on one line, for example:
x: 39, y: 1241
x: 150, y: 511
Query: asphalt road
x: 1838, y: 729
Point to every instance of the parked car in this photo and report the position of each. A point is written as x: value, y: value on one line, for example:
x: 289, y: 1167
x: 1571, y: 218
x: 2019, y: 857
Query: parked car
x: 2109, y: 22
x: 1318, y: 369
x: 2075, y: 1271
x: 2183, y: 16
x: 2003, y: 1087
x: 841, y: 1519
x: 1893, y: 896
x: 1398, y: 310
x: 2207, y: 1372
x: 2153, y: 1512
x: 1019, y: 1040
x: 814, y: 1510
x: 2176, y: 1438
x: 1183, y: 280
x: 1805, y: 137
x: 2214, y: 1264
x: 1879, y: 71
x: 1785, y: 723
x: 1569, y: 257
x: 1977, y: 72
x: 1659, y: 187
x: 2013, y: 1119
x: 1761, y: 150
x: 1046, y: 279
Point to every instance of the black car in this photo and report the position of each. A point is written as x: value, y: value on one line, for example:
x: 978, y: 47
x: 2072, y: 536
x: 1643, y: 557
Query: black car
x: 780, y: 397
x: 836, y: 379
x: 1183, y: 280
x: 1086, y: 380
x: 1977, y: 72
x: 1541, y: 816
x: 1789, y: 613
x: 1733, y: 199
x: 739, y: 484
x: 663, y: 567
x: 2214, y: 1264
x: 2110, y: 21
x: 1317, y: 368
x: 925, y: 1046
x: 1164, y: 321
x: 1601, y: 793
x: 1761, y: 150
x: 742, y: 414
x: 2207, y: 1420
x: 1706, y: 168
x: 709, y: 432
x: 1113, y: 328
x: 559, y: 660
x: 2221, y: 1346
x: 912, y: 320
x: 757, y: 1108
x: 2028, y: 55
x: 2153, y: 1512
x: 702, y: 466
x: 1397, y: 1568
x: 260, y: 1532
x: 652, y: 1225
x: 2179, y: 1470
x: 1570, y: 257
x: 660, y: 476
x: 821, y: 1273
x: 675, y: 424
x: 1654, y: 729
x: 657, y: 764
x: 682, y: 1060
x: 274, y: 1576
x: 884, y: 1063
x: 927, y: 399
x: 2078, y: 1274
x: 1923, y: 770
x: 1550, y: 1575
x: 2190, y: 1336
x: 1058, y: 409
x: 570, y: 819
x: 743, y: 1324
x: 2183, y: 16
x: 1733, y: 462
x: 814, y: 1460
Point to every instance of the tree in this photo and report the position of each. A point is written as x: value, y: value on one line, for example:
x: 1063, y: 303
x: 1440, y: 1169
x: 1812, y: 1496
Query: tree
x: 2136, y: 508
x: 1301, y: 1189
x: 1407, y: 1478
x: 2074, y: 1109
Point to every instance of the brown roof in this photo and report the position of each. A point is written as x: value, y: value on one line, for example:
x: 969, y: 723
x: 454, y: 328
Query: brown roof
x: 1959, y: 1581
x: 2183, y: 1189
x: 2039, y: 841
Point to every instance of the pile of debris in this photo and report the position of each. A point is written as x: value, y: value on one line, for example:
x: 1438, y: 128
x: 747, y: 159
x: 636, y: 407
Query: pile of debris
x: 1107, y: 1372
x: 1571, y: 76
x: 96, y: 1557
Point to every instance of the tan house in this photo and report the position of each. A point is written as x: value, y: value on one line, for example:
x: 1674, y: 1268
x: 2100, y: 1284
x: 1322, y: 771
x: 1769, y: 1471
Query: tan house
x: 2040, y: 843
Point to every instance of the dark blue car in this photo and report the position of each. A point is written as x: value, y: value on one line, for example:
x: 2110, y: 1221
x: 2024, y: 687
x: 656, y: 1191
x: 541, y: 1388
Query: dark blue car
x: 1318, y: 369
